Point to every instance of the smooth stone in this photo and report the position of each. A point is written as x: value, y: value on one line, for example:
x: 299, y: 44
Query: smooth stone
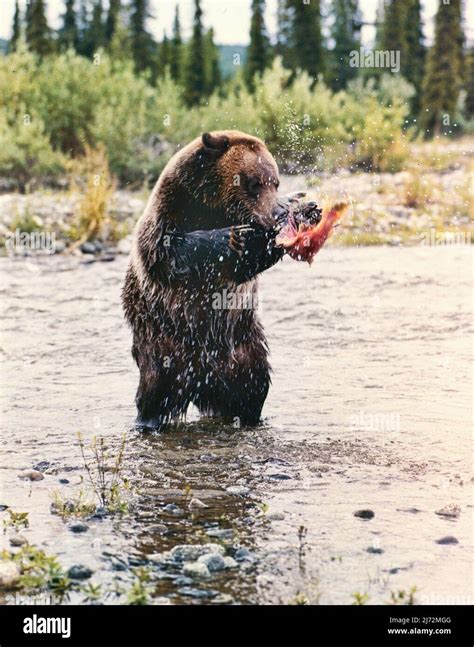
x: 79, y: 527
x: 223, y: 598
x: 9, y: 574
x: 279, y: 477
x: 171, y: 507
x: 192, y: 552
x: 3, y: 507
x: 59, y: 246
x: 64, y: 481
x: 243, y: 554
x: 18, y: 540
x: 197, y: 503
x: 31, y: 475
x: 375, y: 551
x: 230, y: 562
x: 196, y: 569
x: 42, y: 466
x: 79, y: 572
x: 196, y: 593
x: 88, y: 258
x: 220, y: 533
x: 239, y: 490
x: 276, y: 516
x: 448, y: 540
x: 88, y: 248
x: 158, y: 528
x: 364, y: 514
x: 213, y: 561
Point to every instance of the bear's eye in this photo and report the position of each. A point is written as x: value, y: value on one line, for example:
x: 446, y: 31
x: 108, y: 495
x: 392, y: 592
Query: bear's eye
x: 254, y: 186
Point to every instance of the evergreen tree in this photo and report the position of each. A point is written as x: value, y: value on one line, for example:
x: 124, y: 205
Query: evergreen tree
x: 38, y: 33
x: 469, y: 101
x: 413, y: 56
x: 379, y: 24
x: 143, y: 46
x: 96, y: 32
x: 112, y: 19
x: 211, y: 57
x: 283, y: 47
x: 443, y: 77
x: 164, y: 56
x: 68, y: 34
x: 346, y: 35
x: 258, y: 51
x: 194, y: 73
x: 120, y: 47
x: 393, y: 31
x: 16, y: 29
x: 83, y: 28
x: 305, y: 47
x: 176, y: 54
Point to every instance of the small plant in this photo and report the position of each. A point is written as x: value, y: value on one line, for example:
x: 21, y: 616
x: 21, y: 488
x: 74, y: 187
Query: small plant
x: 92, y: 592
x: 105, y: 473
x: 93, y: 219
x: 360, y: 598
x: 39, y: 571
x: 140, y: 591
x: 403, y: 597
x: 17, y: 520
x: 417, y: 192
x: 77, y: 506
x: 300, y: 600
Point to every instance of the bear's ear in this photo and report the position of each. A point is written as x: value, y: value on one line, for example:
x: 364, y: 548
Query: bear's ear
x: 215, y: 143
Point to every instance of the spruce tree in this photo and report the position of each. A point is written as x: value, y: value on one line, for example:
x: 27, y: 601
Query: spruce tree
x: 164, y: 56
x: 68, y: 34
x: 306, y: 41
x: 413, y: 56
x: 38, y: 33
x: 143, y: 45
x: 283, y: 45
x: 113, y: 16
x: 393, y: 34
x: 96, y: 32
x: 176, y: 54
x: 258, y: 51
x: 16, y: 29
x: 212, y: 60
x: 469, y: 84
x: 443, y: 77
x: 345, y: 32
x: 194, y: 73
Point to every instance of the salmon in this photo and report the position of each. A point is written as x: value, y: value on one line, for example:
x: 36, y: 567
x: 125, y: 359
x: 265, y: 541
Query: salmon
x: 303, y: 241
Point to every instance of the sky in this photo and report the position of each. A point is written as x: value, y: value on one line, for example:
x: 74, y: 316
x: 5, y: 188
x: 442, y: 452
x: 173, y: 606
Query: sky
x: 230, y: 18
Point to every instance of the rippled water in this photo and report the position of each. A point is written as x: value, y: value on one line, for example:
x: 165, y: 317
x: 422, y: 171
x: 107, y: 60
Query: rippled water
x: 370, y: 408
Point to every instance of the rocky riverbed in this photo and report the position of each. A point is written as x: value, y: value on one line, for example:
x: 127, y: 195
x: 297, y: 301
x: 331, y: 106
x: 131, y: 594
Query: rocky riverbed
x: 356, y: 487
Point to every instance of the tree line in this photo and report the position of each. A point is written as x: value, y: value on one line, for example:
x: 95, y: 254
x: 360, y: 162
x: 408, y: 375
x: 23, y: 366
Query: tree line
x: 313, y: 37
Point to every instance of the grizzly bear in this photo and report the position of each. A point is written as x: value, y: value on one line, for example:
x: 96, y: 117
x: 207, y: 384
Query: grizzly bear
x: 206, y: 232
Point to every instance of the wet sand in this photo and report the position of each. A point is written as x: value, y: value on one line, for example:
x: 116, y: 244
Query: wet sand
x: 370, y: 408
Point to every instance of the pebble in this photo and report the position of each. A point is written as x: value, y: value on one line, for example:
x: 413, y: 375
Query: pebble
x: 3, y: 507
x: 32, y: 475
x: 276, y: 516
x: 9, y: 574
x: 223, y: 598
x: 197, y: 503
x: 79, y: 527
x: 280, y: 477
x: 87, y: 258
x: 88, y: 248
x: 196, y: 569
x: 239, y: 490
x: 64, y: 481
x: 79, y: 572
x: 220, y: 533
x: 158, y: 528
x: 192, y: 552
x: 42, y: 466
x: 230, y: 562
x: 171, y: 507
x: 100, y: 513
x: 213, y: 561
x: 375, y: 551
x: 59, y: 246
x: 18, y: 540
x: 364, y: 514
x: 196, y: 593
x: 451, y: 511
x: 448, y: 540
x: 243, y: 554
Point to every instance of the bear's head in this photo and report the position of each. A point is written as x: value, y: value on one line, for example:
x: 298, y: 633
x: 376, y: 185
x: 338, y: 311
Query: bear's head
x: 231, y: 174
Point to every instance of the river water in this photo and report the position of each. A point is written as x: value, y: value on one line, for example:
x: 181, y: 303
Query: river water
x: 370, y: 409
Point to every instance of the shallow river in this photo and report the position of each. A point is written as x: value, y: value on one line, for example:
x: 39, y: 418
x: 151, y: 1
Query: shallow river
x: 370, y: 409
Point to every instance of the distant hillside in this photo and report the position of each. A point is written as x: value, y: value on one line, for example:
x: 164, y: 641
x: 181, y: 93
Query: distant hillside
x: 227, y: 54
